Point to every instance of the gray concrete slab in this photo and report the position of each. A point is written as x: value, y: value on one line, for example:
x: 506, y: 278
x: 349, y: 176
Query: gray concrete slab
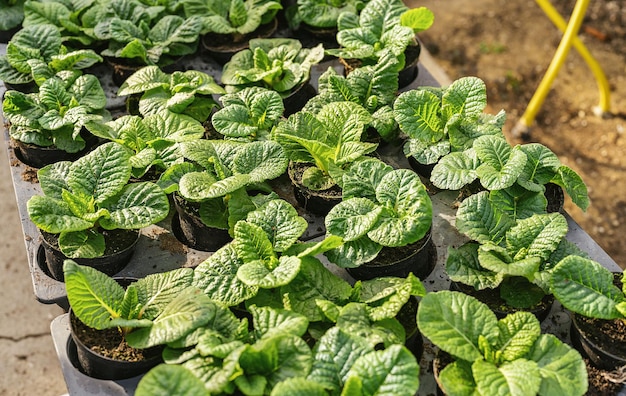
x: 28, y: 362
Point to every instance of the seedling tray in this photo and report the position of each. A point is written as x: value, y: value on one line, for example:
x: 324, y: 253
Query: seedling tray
x: 159, y: 250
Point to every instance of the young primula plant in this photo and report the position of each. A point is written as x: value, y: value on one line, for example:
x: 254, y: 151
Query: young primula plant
x: 249, y: 114
x: 330, y: 140
x: 189, y: 92
x: 500, y: 166
x: 280, y: 64
x: 439, y: 121
x: 56, y: 115
x: 381, y: 206
x: 509, y: 356
x: 381, y: 25
x: 373, y: 87
x: 218, y: 173
x: 36, y: 53
x: 155, y: 310
x: 322, y: 13
x: 154, y: 139
x: 80, y: 198
x: 518, y: 257
x: 235, y: 17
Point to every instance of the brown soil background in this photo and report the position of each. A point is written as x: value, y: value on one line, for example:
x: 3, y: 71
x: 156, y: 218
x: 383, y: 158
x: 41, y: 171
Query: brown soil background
x: 509, y: 44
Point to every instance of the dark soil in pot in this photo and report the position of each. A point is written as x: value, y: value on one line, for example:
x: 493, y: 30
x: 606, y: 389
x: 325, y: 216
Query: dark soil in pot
x: 314, y: 201
x: 221, y: 47
x: 191, y: 231
x: 120, y: 247
x: 556, y: 198
x: 604, y: 383
x: 602, y: 341
x: 419, y: 258
x: 491, y: 297
x: 104, y: 354
x: 310, y: 36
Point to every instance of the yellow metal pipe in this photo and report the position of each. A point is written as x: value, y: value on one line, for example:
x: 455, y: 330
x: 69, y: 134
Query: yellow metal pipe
x: 604, y: 105
x: 555, y: 66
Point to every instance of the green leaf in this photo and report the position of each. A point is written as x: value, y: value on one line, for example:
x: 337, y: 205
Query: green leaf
x: 462, y: 266
x: 166, y: 379
x: 281, y: 223
x: 352, y: 218
x: 573, y: 185
x: 518, y: 332
x: 217, y: 277
x: 536, y: 236
x: 314, y: 282
x: 419, y: 19
x: 482, y: 221
x: 252, y: 244
x: 298, y: 386
x: 136, y: 206
x: 410, y: 217
x: 455, y: 170
x: 264, y: 160
x: 562, y: 369
x: 189, y: 310
x: 102, y: 173
x: 392, y: 371
x: 501, y: 165
x: 155, y: 291
x: 354, y: 253
x: 54, y: 215
x: 269, y: 322
x: 335, y: 354
x: 95, y: 297
x: 418, y: 113
x: 256, y: 273
x: 442, y: 318
x: 457, y: 379
x: 82, y: 244
x: 520, y: 377
x: 466, y: 95
x: 496, y: 259
x: 586, y: 287
x: 519, y: 292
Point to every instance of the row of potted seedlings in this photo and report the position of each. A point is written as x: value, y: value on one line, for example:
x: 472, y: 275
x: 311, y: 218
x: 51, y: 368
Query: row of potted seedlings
x: 263, y: 315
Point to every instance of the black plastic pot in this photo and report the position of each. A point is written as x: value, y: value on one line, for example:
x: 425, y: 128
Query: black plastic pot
x: 111, y: 263
x: 298, y: 97
x: 221, y: 47
x: 97, y: 365
x: 410, y: 71
x: 38, y: 156
x: 189, y: 229
x: 424, y: 170
x: 588, y: 338
x: 420, y: 261
x: 313, y: 201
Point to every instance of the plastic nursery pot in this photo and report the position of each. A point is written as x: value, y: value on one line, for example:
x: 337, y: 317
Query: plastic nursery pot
x: 424, y: 170
x: 120, y: 247
x: 593, y: 338
x: 221, y: 47
x: 314, y: 201
x: 409, y: 73
x: 189, y: 229
x: 419, y: 258
x: 94, y: 352
x: 39, y: 156
x: 492, y: 298
x: 298, y: 97
x: 441, y: 360
x: 408, y: 318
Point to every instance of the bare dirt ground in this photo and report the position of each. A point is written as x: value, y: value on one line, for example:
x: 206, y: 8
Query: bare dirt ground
x: 509, y: 44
